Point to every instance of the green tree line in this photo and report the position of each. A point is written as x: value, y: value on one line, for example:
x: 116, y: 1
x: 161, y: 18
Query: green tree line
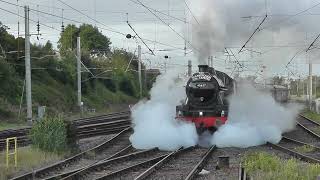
x: 54, y: 72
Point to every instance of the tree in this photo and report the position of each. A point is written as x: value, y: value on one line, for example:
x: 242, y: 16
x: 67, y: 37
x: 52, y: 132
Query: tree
x: 278, y: 80
x: 68, y: 39
x: 92, y: 40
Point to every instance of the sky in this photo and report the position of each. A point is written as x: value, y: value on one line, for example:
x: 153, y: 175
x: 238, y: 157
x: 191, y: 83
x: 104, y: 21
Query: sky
x: 212, y: 27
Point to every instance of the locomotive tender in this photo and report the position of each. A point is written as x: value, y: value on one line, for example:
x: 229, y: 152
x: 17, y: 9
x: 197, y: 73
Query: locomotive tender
x: 206, y: 104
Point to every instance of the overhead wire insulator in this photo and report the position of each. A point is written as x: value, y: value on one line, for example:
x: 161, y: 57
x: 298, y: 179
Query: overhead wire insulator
x: 62, y: 28
x: 38, y: 27
x: 38, y: 23
x: 38, y: 30
x: 62, y: 25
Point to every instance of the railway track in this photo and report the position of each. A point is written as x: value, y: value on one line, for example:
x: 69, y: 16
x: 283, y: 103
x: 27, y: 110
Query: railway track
x: 291, y: 146
x: 302, y: 142
x: 145, y: 164
x: 116, y: 146
x: 180, y: 164
x: 85, y: 127
x: 311, y: 126
x: 120, y: 166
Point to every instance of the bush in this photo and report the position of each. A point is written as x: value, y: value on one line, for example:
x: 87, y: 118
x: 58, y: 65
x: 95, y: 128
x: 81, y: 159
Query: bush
x: 50, y: 134
x: 261, y: 165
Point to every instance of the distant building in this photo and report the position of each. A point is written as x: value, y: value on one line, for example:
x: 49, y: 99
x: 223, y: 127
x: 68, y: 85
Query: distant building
x: 153, y: 71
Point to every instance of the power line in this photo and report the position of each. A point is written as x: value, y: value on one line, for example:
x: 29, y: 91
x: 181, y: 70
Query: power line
x: 30, y: 19
x: 149, y: 8
x: 110, y: 12
x: 191, y: 12
x: 265, y: 17
x: 76, y: 21
x: 140, y: 38
x: 294, y: 15
x: 311, y: 45
x: 38, y: 11
x: 104, y: 24
x: 236, y: 59
x: 164, y: 23
x: 108, y: 28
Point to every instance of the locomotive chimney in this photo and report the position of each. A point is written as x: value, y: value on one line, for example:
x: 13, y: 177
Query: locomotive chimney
x: 203, y: 68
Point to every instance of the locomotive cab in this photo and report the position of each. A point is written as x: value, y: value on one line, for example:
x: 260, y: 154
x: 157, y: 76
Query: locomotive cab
x: 206, y: 104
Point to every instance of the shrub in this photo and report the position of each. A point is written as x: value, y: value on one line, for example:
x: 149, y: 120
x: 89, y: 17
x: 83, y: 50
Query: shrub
x: 261, y: 165
x: 50, y: 134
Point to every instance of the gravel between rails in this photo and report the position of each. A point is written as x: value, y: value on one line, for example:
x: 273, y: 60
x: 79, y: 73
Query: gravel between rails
x: 235, y: 155
x: 180, y: 165
x: 88, y: 143
x: 116, y: 165
x: 309, y: 124
x: 121, y: 142
x: 315, y: 153
x: 301, y: 135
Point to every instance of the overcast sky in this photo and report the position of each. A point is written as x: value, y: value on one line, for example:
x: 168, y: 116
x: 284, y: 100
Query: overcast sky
x: 291, y: 23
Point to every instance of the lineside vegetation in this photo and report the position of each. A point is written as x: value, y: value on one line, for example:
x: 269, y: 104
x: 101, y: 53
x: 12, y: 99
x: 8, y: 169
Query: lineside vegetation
x: 265, y: 166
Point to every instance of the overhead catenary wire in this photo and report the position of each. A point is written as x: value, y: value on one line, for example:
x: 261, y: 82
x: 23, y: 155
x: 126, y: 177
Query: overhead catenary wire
x: 140, y: 38
x: 165, y: 23
x: 168, y: 15
x: 191, y: 12
x: 312, y: 44
x: 294, y: 15
x: 79, y: 22
x: 29, y: 18
x: 265, y: 17
x: 107, y: 11
x: 108, y: 28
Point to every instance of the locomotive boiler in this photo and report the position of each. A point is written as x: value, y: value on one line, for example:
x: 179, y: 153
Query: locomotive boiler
x: 206, y: 104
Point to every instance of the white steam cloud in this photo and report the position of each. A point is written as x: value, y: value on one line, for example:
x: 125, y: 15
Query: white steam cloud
x: 229, y: 24
x: 208, y: 32
x: 154, y: 120
x: 254, y: 119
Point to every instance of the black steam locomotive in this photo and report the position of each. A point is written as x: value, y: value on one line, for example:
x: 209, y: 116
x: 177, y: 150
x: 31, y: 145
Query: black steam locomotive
x: 206, y: 104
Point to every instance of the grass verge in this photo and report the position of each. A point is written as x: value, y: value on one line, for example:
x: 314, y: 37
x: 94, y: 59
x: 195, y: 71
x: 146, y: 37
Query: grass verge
x: 305, y: 149
x: 7, y: 125
x: 261, y: 165
x: 28, y: 159
x: 312, y: 115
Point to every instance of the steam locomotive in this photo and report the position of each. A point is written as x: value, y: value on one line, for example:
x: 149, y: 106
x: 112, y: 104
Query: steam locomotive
x: 206, y: 104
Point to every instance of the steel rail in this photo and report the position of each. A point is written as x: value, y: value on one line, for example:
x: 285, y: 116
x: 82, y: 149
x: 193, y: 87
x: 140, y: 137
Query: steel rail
x: 102, y: 163
x: 144, y: 164
x: 153, y: 168
x: 310, y: 120
x: 63, y: 175
x: 37, y: 173
x: 199, y: 166
x: 85, y: 127
x: 294, y: 153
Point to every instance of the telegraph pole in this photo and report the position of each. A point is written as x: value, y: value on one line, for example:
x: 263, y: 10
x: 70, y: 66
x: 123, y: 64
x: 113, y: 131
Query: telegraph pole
x: 145, y: 77
x: 310, y: 85
x: 315, y: 86
x: 189, y: 68
x: 139, y: 70
x: 28, y: 66
x: 165, y: 67
x: 79, y: 73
